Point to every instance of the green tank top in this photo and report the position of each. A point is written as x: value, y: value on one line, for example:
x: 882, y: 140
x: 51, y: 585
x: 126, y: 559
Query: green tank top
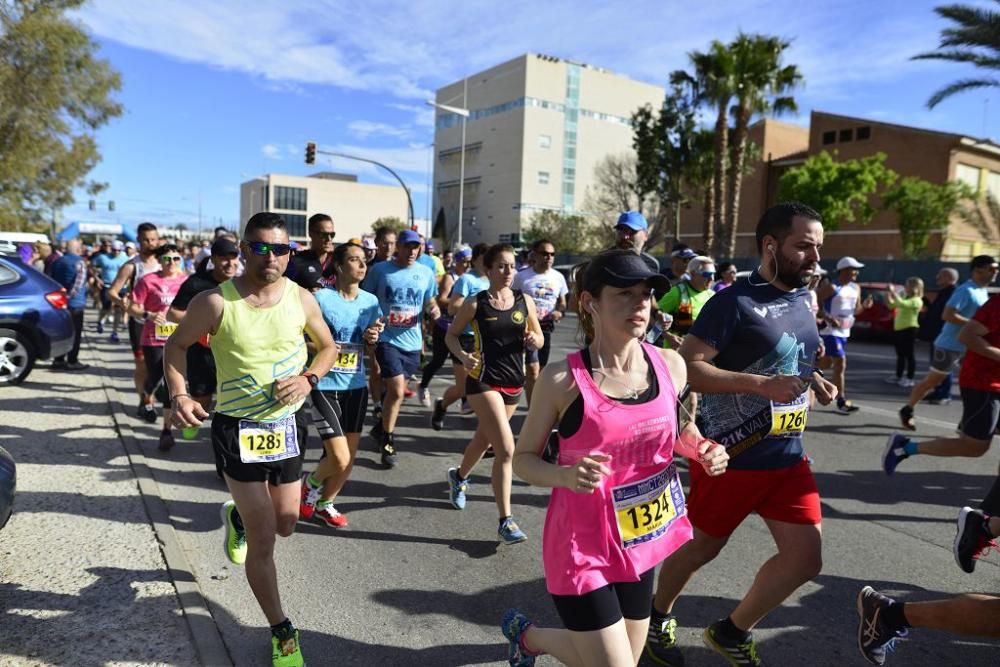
x: 253, y: 348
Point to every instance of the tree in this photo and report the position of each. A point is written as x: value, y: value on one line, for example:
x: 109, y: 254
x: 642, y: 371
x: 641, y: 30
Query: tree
x: 921, y: 207
x: 54, y: 95
x: 983, y: 214
x: 616, y: 189
x: 760, y: 84
x: 568, y: 233
x: 839, y: 191
x: 974, y: 38
x: 392, y: 222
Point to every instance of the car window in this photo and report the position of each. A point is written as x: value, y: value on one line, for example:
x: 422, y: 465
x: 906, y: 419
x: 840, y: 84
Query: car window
x: 7, y: 275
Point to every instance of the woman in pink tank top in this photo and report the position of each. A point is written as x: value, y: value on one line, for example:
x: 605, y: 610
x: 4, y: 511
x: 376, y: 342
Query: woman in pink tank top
x: 617, y: 507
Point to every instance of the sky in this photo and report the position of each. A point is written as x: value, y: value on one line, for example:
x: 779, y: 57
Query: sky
x: 218, y: 92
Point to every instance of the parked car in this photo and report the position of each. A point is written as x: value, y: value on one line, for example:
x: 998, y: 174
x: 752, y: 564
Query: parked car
x: 34, y: 319
x: 8, y: 485
x: 875, y: 322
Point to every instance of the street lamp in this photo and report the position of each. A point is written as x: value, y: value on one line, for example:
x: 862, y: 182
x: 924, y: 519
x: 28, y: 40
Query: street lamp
x: 464, y: 113
x: 409, y: 199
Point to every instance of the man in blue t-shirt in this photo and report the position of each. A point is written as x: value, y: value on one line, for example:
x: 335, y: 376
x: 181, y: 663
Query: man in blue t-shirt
x: 750, y: 357
x: 404, y: 290
x: 106, y: 265
x: 948, y: 351
x: 70, y: 271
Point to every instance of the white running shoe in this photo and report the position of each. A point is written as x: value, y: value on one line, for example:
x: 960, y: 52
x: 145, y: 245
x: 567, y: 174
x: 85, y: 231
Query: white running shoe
x: 425, y: 397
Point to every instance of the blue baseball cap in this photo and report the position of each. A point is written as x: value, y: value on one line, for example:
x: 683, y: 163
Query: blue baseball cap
x: 633, y: 220
x: 408, y: 236
x: 465, y: 252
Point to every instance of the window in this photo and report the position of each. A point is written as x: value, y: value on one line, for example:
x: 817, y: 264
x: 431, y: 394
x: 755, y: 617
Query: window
x: 544, y: 141
x: 8, y: 276
x: 993, y: 184
x: 543, y: 178
x: 829, y: 138
x: 863, y: 133
x: 293, y: 199
x: 967, y: 174
x: 846, y: 135
x: 296, y: 223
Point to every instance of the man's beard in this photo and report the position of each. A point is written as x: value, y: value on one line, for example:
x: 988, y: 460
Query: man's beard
x: 791, y: 274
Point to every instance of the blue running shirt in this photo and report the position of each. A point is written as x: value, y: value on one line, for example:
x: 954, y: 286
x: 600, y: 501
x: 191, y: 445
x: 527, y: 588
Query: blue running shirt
x: 347, y: 321
x: 402, y: 294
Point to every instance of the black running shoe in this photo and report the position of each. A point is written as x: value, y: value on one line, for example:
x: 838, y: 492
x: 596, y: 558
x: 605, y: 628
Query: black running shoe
x: 146, y: 412
x: 661, y: 642
x: 388, y: 451
x: 742, y: 652
x: 437, y: 417
x: 971, y: 539
x: 167, y: 441
x: 875, y: 637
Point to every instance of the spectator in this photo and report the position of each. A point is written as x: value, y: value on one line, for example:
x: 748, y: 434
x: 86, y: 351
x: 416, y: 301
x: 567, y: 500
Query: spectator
x: 70, y: 271
x: 726, y: 277
x: 904, y: 328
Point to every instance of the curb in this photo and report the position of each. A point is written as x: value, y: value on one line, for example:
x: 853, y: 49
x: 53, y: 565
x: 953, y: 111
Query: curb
x: 207, y: 639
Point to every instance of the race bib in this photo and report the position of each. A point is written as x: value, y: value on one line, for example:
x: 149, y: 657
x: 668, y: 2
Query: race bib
x: 164, y: 331
x: 789, y: 418
x: 261, y: 442
x: 403, y: 317
x: 645, y: 509
x: 348, y: 359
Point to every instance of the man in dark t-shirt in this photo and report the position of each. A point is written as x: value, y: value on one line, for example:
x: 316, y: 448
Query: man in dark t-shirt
x: 311, y: 266
x: 750, y: 356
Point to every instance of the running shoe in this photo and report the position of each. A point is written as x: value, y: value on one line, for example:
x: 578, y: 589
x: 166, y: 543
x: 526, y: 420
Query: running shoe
x: 457, y: 489
x: 407, y: 392
x: 846, y: 407
x: 100, y: 328
x: 388, y: 451
x: 234, y: 540
x: 114, y: 337
x: 146, y: 412
x: 437, y: 417
x: 167, y: 441
x: 893, y: 379
x: 875, y: 637
x: 895, y: 451
x: 58, y: 366
x: 906, y: 382
x: 513, y: 626
x: 972, y: 539
x: 661, y: 643
x: 377, y: 430
x: 285, y: 650
x: 906, y: 418
x: 75, y: 366
x: 425, y: 397
x: 743, y: 652
x: 329, y: 515
x: 938, y: 401
x: 510, y: 533
x: 308, y: 499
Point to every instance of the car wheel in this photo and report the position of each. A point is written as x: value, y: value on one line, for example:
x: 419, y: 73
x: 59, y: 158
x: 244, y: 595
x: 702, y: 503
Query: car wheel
x: 17, y: 357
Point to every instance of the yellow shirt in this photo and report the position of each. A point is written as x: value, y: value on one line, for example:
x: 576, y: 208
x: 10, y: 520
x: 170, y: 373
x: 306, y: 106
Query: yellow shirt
x: 253, y: 348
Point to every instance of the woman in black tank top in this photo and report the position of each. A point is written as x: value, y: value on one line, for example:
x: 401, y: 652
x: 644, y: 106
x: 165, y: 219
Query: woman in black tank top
x: 504, y: 323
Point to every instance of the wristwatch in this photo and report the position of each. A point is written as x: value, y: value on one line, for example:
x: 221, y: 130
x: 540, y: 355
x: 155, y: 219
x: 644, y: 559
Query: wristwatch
x: 313, y: 379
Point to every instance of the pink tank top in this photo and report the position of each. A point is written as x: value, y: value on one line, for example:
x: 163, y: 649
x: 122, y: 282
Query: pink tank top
x: 638, y: 516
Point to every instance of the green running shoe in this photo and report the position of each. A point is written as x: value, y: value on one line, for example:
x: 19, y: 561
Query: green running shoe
x: 286, y: 651
x: 234, y: 540
x: 738, y: 653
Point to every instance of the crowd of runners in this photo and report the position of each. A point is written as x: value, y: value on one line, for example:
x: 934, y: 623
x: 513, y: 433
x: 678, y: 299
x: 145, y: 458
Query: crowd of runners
x: 693, y: 366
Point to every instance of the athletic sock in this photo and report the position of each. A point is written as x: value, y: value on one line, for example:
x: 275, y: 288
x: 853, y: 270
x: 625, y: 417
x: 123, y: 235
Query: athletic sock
x: 283, y: 630
x: 322, y: 503
x: 910, y: 448
x: 895, y: 616
x: 504, y: 518
x: 656, y: 618
x: 313, y: 482
x: 728, y: 630
x: 459, y: 477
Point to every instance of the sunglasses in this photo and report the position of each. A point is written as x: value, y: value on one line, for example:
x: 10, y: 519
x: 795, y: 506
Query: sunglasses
x: 545, y: 254
x: 170, y: 258
x: 708, y: 275
x: 262, y: 249
x: 326, y: 235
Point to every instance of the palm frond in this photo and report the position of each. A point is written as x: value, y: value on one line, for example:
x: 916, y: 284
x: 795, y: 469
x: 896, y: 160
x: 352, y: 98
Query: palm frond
x: 960, y: 86
x: 979, y: 60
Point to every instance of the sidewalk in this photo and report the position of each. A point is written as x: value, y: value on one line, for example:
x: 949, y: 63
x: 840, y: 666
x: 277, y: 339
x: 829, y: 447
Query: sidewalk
x: 90, y: 571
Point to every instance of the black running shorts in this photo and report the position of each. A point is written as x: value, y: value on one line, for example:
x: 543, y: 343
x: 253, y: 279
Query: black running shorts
x: 607, y: 605
x: 350, y: 407
x: 225, y: 431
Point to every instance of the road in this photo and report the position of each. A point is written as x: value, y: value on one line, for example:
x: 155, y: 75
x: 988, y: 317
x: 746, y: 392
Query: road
x: 413, y: 581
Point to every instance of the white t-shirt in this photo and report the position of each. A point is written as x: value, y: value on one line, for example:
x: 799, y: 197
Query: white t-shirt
x: 545, y: 288
x: 841, y: 307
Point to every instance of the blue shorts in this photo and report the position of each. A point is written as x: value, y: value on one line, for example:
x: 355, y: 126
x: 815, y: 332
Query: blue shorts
x: 836, y: 346
x: 392, y: 361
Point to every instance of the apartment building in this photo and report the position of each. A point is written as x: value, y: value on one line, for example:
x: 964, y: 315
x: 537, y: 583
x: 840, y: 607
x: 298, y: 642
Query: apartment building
x: 537, y: 128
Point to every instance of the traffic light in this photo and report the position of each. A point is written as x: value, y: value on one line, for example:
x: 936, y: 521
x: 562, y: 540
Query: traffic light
x: 310, y: 152
x: 92, y: 205
x: 111, y: 205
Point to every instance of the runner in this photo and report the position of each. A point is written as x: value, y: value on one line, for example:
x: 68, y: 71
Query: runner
x: 931, y: 322
x: 385, y: 249
x: 841, y: 303
x: 260, y: 427
x: 685, y: 300
x: 106, y: 266
x: 631, y: 232
x: 948, y: 350
x: 439, y: 349
x: 150, y: 302
x: 979, y: 381
x: 750, y: 356
x: 547, y: 287
x: 129, y: 274
x: 404, y: 289
x: 505, y: 323
x: 340, y: 401
x: 617, y: 506
x: 308, y: 267
x: 472, y: 282
x: 225, y: 258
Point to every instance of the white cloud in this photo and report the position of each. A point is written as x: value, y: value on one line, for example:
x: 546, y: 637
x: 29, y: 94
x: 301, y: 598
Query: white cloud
x: 271, y: 151
x: 362, y: 129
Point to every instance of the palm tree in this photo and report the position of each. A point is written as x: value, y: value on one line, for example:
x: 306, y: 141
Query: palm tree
x: 713, y: 81
x: 761, y: 86
x: 983, y: 214
x: 975, y: 38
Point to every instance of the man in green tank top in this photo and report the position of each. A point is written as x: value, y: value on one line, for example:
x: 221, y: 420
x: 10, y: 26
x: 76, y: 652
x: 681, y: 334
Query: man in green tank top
x: 257, y: 323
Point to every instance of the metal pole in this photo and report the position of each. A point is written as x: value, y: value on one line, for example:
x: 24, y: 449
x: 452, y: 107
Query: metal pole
x: 461, y: 184
x: 409, y: 199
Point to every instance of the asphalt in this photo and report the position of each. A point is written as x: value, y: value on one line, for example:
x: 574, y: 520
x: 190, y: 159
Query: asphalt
x: 114, y: 553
